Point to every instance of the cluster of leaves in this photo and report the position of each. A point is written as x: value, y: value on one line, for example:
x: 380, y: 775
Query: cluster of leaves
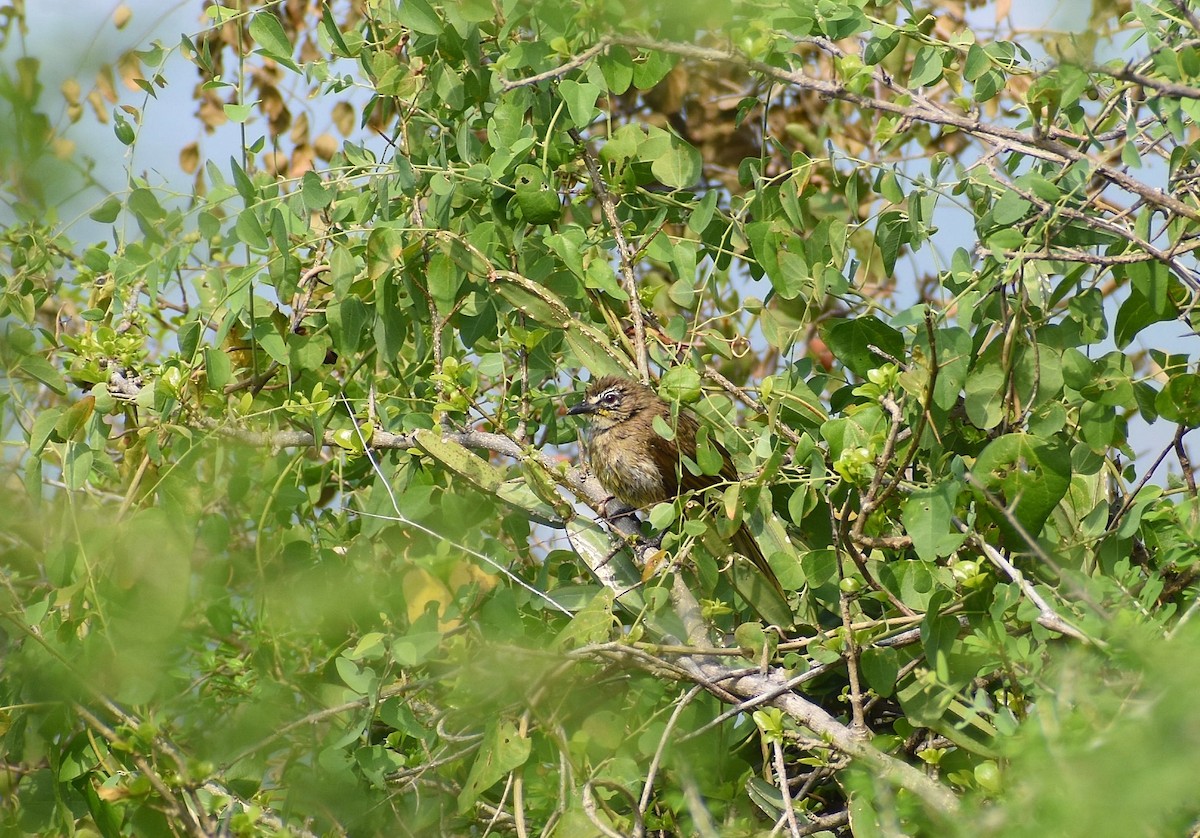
x: 288, y: 547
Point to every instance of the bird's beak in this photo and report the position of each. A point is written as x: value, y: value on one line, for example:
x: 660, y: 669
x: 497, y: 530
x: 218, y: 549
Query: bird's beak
x: 581, y: 408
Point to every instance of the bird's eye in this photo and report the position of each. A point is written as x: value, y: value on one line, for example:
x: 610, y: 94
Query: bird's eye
x: 610, y: 399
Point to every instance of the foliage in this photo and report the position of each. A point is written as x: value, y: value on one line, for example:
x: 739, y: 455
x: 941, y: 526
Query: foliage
x: 294, y: 540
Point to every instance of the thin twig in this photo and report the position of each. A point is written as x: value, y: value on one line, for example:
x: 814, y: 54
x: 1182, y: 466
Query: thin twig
x: 195, y: 822
x: 858, y: 721
x: 626, y: 254
x: 656, y: 760
x: 1047, y: 616
x: 922, y: 110
x: 1185, y: 464
x: 789, y: 811
x: 558, y: 72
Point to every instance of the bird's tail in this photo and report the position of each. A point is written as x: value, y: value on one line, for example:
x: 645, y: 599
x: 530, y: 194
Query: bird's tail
x: 760, y: 587
x: 745, y: 543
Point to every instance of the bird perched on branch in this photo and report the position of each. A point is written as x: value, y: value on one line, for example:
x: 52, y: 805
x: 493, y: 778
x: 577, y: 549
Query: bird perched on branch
x: 638, y: 465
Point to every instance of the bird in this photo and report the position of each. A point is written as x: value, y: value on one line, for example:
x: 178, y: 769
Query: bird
x: 639, y: 466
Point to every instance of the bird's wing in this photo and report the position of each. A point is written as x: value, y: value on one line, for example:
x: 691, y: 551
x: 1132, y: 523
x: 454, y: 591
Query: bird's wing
x: 685, y: 434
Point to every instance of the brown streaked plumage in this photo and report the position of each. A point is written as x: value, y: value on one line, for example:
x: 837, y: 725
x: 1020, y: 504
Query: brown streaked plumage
x: 640, y: 467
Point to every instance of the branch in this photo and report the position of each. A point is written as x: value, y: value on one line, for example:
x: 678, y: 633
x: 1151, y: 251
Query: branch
x: 1176, y: 91
x: 1000, y: 137
x: 1047, y: 616
x: 940, y: 800
x: 628, y: 256
x: 733, y: 686
x: 195, y: 823
x: 558, y: 72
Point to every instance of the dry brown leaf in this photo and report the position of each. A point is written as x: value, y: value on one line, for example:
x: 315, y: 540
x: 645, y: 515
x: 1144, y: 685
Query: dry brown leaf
x: 325, y: 146
x: 211, y: 112
x: 111, y: 794
x: 309, y: 51
x: 70, y: 91
x: 105, y: 85
x: 275, y: 162
x: 294, y: 11
x: 189, y: 158
x: 299, y: 132
x: 130, y: 68
x: 302, y: 161
x: 276, y: 111
x: 121, y: 15
x: 98, y: 106
x: 62, y: 148
x: 343, y: 118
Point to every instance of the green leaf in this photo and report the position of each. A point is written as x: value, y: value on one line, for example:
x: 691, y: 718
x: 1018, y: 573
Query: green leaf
x: 1179, y: 401
x: 977, y: 64
x: 503, y: 750
x: 267, y: 32
x: 238, y: 113
x: 617, y: 67
x: 927, y: 517
x: 250, y: 231
x: 679, y: 166
x: 37, y: 367
x: 880, y: 47
x: 954, y: 354
x: 880, y: 666
x: 1010, y: 209
x: 532, y: 299
x: 985, y: 393
x: 914, y: 583
x: 316, y: 195
x: 347, y: 320
x: 662, y: 515
x: 518, y: 495
x: 445, y: 279
x: 593, y: 623
x: 581, y: 100
x: 938, y: 634
x: 891, y: 234
x: 419, y: 16
x: 760, y: 594
x: 1006, y: 239
x: 475, y: 470
x: 708, y: 457
x: 1028, y: 477
x: 653, y: 67
x: 416, y: 647
x: 792, y: 278
x: 538, y: 200
x: 928, y: 702
x: 851, y: 342
x: 218, y: 368
x: 77, y: 465
x: 42, y: 429
x: 107, y: 212
x: 680, y: 384
x: 1111, y: 381
x: 927, y: 67
x: 73, y: 422
x: 599, y: 275
x: 1149, y: 301
x: 144, y: 204
x: 360, y: 679
x: 384, y: 248
x: 594, y: 352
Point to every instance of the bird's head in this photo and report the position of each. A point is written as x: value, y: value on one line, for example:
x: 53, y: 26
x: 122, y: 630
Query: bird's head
x: 611, y: 400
